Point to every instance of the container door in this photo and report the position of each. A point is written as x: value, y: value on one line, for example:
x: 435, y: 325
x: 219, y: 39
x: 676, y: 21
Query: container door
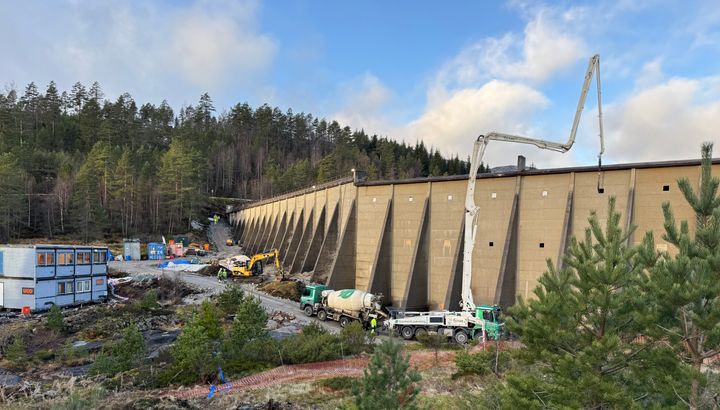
x: 2, y: 294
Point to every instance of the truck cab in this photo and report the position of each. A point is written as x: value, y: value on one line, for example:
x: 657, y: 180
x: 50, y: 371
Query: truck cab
x: 311, y: 297
x: 490, y: 314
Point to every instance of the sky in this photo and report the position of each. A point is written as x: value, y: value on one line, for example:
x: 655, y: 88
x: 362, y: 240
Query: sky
x: 439, y: 72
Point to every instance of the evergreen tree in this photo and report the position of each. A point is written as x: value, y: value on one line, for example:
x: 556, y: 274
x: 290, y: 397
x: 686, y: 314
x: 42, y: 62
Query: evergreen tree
x: 181, y: 176
x: 55, y: 319
x: 580, y: 332
x: 12, y: 188
x: 389, y: 381
x: 684, y: 289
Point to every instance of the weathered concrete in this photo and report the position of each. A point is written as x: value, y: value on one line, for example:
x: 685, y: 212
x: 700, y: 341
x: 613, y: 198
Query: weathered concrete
x: 404, y: 238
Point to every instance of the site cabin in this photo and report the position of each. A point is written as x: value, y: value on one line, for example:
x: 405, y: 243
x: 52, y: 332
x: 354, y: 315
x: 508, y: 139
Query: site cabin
x: 39, y: 276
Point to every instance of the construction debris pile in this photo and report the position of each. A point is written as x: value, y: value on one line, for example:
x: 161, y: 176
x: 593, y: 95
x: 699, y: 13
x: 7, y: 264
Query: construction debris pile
x: 287, y: 289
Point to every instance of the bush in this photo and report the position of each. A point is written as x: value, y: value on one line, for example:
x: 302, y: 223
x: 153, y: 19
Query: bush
x: 230, y: 299
x: 149, y: 300
x: 121, y: 356
x: 55, y: 319
x: 355, y: 339
x: 194, y: 354
x: 340, y: 383
x: 17, y: 351
x: 314, y: 344
x: 482, y: 363
x: 73, y: 356
x: 389, y: 382
x: 207, y: 318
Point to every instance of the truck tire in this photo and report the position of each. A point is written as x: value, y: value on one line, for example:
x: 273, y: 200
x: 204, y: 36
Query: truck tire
x: 407, y: 332
x: 420, y: 331
x: 461, y: 337
x: 344, y: 321
x: 322, y: 315
x: 308, y: 309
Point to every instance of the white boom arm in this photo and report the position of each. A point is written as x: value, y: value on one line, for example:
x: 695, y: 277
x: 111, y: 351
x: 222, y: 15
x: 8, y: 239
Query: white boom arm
x: 471, y: 210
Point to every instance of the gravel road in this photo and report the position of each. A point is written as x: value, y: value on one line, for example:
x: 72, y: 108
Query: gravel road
x: 219, y: 233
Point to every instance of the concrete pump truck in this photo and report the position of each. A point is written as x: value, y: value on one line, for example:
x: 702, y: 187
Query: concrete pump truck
x: 485, y: 321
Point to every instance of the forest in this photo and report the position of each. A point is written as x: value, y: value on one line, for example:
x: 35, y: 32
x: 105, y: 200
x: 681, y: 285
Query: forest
x: 76, y: 164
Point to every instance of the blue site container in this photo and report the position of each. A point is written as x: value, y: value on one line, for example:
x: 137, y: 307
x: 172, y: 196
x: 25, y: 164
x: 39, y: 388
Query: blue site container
x: 156, y: 250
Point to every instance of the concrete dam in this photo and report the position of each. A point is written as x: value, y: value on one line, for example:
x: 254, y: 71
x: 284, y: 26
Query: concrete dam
x: 404, y: 238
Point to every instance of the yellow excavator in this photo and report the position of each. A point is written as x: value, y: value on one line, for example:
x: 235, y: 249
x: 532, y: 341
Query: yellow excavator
x: 244, y: 266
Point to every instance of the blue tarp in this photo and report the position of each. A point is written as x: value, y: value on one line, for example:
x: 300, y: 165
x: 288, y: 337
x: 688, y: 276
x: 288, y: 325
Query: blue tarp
x: 174, y: 261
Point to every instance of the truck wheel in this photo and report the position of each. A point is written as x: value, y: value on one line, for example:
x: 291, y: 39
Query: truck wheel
x: 322, y: 315
x: 461, y: 337
x: 420, y: 332
x: 308, y: 310
x: 407, y: 332
x: 344, y: 321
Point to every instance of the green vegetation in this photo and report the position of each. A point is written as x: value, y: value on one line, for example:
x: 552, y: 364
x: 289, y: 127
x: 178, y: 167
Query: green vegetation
x: 55, y: 319
x: 76, y: 163
x: 340, y: 383
x: 355, y: 339
x: 121, y: 356
x: 230, y: 298
x: 622, y: 325
x: 389, y: 382
x: 17, y: 351
x: 150, y: 300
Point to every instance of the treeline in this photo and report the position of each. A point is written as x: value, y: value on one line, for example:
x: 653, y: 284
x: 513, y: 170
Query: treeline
x: 76, y: 163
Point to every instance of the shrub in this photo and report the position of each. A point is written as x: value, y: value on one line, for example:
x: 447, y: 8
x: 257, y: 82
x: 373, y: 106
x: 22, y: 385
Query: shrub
x: 194, y: 354
x: 149, y: 300
x: 355, y: 339
x: 230, y: 299
x: 340, y: 383
x: 73, y: 356
x: 17, y: 351
x: 207, y: 318
x: 482, y: 363
x: 122, y: 355
x: 389, y: 382
x: 55, y: 319
x: 314, y: 344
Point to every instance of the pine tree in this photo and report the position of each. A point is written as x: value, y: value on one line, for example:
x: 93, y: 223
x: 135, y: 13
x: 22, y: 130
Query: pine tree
x: 12, y: 188
x: 389, y: 381
x: 580, y: 330
x: 685, y: 289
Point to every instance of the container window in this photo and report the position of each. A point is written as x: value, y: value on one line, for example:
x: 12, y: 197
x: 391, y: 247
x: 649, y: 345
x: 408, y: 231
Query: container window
x: 65, y: 288
x: 45, y: 259
x: 83, y: 286
x: 65, y: 258
x: 100, y: 257
x: 83, y: 258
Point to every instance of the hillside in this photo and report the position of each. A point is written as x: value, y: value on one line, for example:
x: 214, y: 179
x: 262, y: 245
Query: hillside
x: 74, y: 163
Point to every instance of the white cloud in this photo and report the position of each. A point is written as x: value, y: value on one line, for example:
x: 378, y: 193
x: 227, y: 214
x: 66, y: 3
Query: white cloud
x: 452, y: 124
x: 209, y: 45
x: 365, y: 106
x: 152, y: 50
x: 544, y: 49
x: 667, y: 121
x: 490, y: 85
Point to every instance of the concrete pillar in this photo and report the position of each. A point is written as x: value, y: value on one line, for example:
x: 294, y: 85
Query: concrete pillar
x: 328, y: 249
x: 452, y: 298
x: 567, y: 223
x: 630, y: 211
x: 416, y: 290
x: 294, y: 239
x: 315, y: 242
x: 381, y: 272
x: 282, y: 226
x: 342, y: 270
x: 507, y: 277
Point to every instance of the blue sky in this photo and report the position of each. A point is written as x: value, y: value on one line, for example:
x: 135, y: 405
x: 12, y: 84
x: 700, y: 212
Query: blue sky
x: 410, y: 70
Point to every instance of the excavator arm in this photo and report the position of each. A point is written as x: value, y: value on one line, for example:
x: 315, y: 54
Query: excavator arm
x: 471, y: 209
x: 275, y: 254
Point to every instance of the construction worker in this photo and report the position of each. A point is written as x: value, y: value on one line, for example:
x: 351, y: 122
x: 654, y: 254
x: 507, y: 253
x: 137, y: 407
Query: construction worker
x: 222, y: 274
x: 216, y: 219
x: 373, y: 325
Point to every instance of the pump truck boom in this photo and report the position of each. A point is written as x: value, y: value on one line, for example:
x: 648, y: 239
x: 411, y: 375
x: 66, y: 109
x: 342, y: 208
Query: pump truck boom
x: 485, y: 319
